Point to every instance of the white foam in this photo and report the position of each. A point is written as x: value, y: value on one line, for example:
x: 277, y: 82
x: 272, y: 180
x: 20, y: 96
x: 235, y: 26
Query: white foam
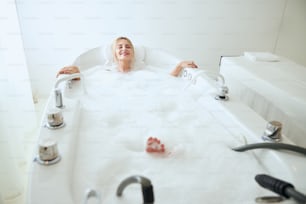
x: 122, y: 110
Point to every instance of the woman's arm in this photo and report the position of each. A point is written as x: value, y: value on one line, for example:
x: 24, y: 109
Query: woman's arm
x: 69, y: 70
x: 177, y: 70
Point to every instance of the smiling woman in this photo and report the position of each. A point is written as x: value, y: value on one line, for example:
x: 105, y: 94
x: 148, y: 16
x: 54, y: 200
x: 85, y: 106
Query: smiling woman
x: 123, y: 54
x: 123, y: 59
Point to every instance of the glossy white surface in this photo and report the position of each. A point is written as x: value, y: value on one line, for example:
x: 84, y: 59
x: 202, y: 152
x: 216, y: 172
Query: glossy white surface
x: 275, y: 90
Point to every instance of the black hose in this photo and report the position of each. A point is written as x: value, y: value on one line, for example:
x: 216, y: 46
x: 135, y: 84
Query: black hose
x: 146, y: 187
x: 280, y: 187
x: 268, y: 145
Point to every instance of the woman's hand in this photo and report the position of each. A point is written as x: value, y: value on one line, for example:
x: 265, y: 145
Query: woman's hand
x: 69, y: 70
x: 183, y: 65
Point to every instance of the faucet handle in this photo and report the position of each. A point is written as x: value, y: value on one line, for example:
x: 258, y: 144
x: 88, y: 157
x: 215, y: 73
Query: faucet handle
x: 273, y: 126
x: 273, y: 131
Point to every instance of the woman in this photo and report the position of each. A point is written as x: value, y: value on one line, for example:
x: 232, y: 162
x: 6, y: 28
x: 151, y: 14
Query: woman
x: 123, y: 54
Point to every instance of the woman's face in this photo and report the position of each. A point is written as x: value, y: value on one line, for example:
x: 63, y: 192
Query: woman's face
x: 124, y: 50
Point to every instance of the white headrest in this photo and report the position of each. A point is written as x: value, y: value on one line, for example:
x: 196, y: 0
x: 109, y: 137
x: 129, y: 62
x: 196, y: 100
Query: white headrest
x: 140, y: 53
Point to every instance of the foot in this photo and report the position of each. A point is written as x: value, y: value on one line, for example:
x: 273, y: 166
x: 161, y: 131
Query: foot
x: 154, y: 145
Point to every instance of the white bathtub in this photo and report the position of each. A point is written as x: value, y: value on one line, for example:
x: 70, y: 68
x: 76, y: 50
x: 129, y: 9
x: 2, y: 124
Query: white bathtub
x: 104, y: 141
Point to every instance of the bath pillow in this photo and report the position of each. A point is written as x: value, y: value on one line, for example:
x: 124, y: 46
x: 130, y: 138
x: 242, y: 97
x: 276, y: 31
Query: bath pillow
x: 140, y: 53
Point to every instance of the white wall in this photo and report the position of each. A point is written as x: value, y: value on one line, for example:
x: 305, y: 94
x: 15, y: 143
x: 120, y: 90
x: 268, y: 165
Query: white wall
x: 57, y: 31
x: 17, y: 113
x: 292, y: 36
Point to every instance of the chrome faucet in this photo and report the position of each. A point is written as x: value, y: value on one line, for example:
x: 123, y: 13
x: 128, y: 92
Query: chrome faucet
x: 222, y: 90
x: 58, y: 98
x: 273, y: 131
x: 146, y: 186
x: 57, y: 91
x: 221, y: 95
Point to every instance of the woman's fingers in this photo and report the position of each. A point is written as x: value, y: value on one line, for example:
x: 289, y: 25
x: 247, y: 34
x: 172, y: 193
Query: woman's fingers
x: 190, y: 64
x: 68, y: 70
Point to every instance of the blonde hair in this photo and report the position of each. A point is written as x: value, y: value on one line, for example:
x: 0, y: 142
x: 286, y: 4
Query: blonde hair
x: 114, y: 47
